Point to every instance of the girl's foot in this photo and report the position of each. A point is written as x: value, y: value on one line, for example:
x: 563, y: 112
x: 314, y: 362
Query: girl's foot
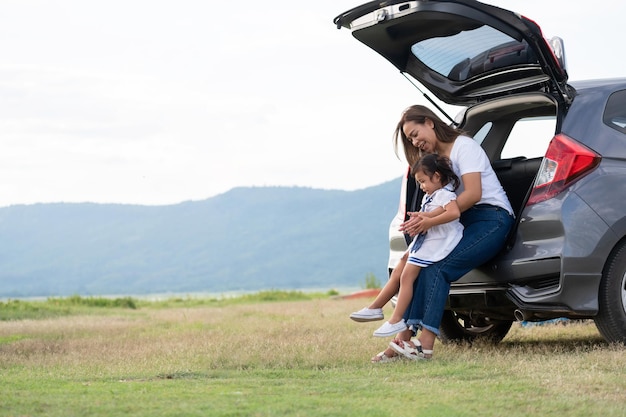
x: 368, y: 314
x: 390, y: 329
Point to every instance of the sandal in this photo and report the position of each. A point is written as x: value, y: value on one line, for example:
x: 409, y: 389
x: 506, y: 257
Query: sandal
x: 383, y: 358
x: 414, y: 352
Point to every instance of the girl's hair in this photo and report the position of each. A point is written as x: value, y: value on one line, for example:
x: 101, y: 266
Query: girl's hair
x: 433, y: 163
x: 419, y: 114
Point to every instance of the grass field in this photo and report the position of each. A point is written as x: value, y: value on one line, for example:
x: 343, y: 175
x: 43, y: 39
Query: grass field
x: 273, y: 357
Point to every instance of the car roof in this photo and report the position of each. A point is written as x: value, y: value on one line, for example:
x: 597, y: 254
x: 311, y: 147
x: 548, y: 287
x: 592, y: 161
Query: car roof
x: 611, y: 84
x: 463, y: 51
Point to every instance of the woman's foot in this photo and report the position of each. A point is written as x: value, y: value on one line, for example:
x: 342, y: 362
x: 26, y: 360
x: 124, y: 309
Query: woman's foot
x: 411, y: 349
x: 390, y: 329
x: 386, y: 356
x: 368, y: 314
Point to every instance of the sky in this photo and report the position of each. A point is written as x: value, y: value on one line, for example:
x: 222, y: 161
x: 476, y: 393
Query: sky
x: 160, y: 102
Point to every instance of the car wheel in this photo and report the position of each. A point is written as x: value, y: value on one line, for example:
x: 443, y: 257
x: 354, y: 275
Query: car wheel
x: 611, y: 318
x: 459, y: 328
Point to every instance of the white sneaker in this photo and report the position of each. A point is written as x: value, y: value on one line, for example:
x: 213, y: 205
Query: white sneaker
x: 368, y: 314
x: 389, y: 329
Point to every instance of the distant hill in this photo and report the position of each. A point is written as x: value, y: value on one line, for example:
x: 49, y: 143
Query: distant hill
x: 244, y: 240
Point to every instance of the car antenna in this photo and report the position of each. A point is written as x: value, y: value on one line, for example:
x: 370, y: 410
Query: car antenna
x: 431, y: 100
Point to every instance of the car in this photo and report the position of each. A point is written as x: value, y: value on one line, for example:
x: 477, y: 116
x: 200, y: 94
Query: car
x: 557, y: 146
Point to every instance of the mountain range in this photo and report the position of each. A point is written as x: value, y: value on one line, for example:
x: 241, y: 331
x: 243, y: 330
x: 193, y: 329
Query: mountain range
x: 247, y: 239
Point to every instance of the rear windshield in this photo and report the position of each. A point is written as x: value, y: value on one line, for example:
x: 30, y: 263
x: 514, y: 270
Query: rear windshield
x: 472, y: 52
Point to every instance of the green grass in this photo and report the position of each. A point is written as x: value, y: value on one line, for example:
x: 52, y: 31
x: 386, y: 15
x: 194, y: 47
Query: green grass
x: 15, y: 309
x: 288, y: 354
x: 57, y: 307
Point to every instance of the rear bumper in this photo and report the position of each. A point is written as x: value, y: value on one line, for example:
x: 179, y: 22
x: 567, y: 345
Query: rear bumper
x: 572, y: 296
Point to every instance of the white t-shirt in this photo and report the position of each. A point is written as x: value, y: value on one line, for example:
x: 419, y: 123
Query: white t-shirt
x: 467, y: 156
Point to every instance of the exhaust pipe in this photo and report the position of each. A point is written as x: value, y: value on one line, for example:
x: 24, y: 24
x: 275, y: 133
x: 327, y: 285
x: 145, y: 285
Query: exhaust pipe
x: 521, y: 315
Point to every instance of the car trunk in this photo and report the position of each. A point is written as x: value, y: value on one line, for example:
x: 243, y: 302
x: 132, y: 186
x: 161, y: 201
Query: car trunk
x: 493, y: 123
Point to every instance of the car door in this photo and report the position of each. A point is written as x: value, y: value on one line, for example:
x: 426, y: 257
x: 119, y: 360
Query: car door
x: 462, y: 51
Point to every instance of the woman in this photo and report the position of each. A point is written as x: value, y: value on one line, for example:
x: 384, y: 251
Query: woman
x: 486, y: 215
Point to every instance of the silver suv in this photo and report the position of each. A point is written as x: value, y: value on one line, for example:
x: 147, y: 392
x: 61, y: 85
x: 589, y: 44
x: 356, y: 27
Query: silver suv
x: 558, y: 147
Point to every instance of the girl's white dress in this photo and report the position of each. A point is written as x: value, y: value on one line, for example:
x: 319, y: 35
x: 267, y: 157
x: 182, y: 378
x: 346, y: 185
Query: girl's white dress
x: 439, y: 240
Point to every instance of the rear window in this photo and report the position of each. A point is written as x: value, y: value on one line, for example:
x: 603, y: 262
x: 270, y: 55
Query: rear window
x: 472, y: 52
x: 615, y: 111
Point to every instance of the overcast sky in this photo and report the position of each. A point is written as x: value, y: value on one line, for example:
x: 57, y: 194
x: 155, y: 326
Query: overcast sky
x: 159, y: 102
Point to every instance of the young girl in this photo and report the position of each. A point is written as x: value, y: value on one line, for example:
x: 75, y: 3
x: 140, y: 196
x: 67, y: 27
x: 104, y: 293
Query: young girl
x: 441, y: 232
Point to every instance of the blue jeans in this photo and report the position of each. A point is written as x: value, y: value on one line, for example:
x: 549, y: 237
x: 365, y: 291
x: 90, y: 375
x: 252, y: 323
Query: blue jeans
x: 486, y: 230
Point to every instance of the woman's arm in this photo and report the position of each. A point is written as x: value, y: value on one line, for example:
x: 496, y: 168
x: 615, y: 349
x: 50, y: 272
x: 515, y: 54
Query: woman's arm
x: 448, y: 213
x: 436, y: 212
x: 472, y: 191
x: 421, y: 221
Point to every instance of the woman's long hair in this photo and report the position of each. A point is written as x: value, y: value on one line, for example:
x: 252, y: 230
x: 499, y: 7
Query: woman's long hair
x: 419, y: 114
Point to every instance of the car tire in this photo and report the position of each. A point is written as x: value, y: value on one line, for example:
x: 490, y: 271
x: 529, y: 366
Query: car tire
x: 611, y: 317
x: 456, y: 328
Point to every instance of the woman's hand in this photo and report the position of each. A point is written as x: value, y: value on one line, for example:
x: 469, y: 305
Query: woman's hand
x: 417, y: 223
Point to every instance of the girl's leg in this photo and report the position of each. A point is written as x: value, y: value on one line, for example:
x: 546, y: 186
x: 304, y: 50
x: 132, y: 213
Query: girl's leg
x: 391, y: 287
x: 407, y: 278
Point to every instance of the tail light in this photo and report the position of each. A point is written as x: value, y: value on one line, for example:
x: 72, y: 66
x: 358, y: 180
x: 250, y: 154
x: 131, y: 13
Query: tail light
x: 566, y: 161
